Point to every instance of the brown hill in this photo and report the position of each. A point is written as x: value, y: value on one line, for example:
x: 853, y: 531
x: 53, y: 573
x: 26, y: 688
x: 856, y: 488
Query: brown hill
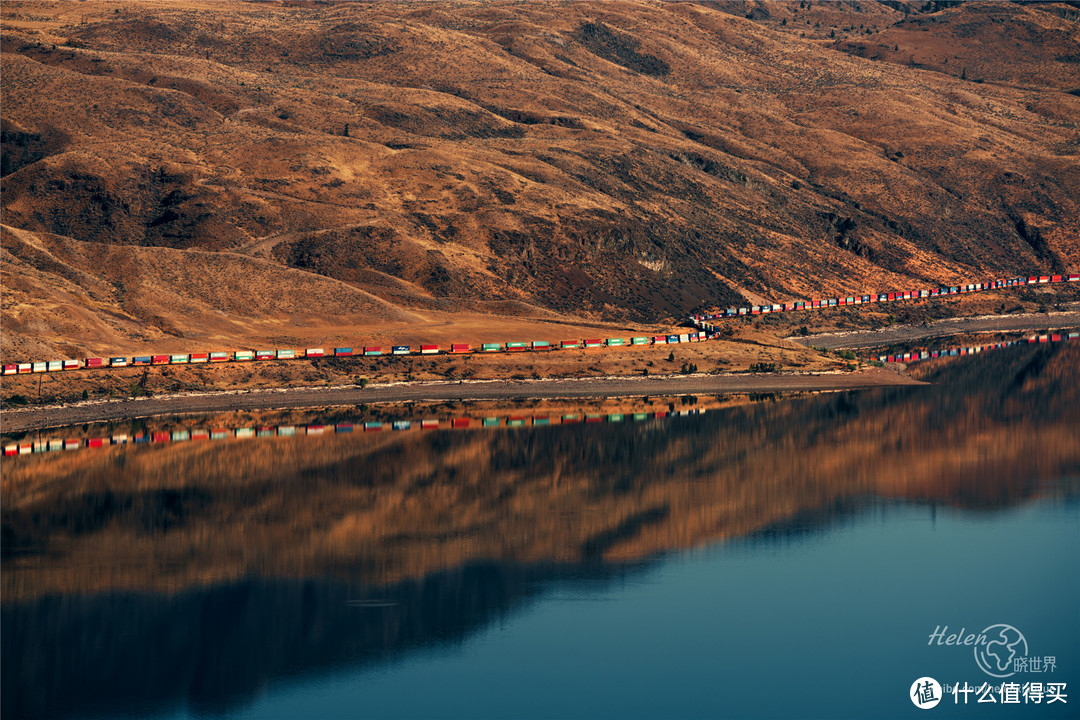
x: 625, y: 160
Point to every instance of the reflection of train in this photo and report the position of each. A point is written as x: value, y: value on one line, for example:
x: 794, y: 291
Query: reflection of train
x: 370, y: 351
x: 917, y: 355
x: 459, y: 423
x: 701, y: 320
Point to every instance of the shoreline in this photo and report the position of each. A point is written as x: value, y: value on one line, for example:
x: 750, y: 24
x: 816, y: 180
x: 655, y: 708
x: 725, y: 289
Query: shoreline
x: 41, y: 418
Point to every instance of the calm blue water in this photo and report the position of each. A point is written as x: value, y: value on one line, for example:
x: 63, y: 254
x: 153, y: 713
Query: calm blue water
x: 831, y: 625
x: 777, y: 560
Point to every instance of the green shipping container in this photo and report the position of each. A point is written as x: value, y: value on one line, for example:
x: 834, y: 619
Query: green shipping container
x: 639, y: 341
x: 614, y: 341
x: 489, y: 347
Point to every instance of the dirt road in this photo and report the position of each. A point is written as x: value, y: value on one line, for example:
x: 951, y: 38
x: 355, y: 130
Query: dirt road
x: 21, y: 420
x: 910, y: 333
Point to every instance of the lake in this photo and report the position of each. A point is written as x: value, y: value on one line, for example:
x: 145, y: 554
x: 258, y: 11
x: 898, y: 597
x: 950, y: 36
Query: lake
x: 771, y: 557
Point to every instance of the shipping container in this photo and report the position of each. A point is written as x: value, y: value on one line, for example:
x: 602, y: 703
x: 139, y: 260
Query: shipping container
x: 1055, y: 278
x: 612, y: 342
x: 342, y: 352
x: 429, y: 349
x: 11, y: 369
x: 264, y: 354
x: 660, y: 340
x: 200, y: 357
x: 491, y: 347
x: 459, y: 348
x: 516, y: 346
x: 24, y: 367
x: 673, y: 339
x: 541, y: 345
x: 73, y: 364
x: 1044, y: 278
x: 178, y: 359
x: 54, y: 366
x: 94, y: 362
x: 219, y: 357
x: 372, y: 350
x: 684, y: 337
x: 243, y: 355
x: 118, y: 362
x: 639, y: 341
x: 286, y: 354
x: 314, y: 353
x: 38, y: 367
x: 1073, y: 277
x: 400, y: 350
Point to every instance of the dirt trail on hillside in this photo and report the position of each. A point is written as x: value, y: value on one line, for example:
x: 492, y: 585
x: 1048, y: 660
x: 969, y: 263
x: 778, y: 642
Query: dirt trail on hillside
x: 40, y: 418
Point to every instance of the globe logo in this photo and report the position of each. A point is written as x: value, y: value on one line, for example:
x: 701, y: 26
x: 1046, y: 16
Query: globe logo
x: 1003, y: 643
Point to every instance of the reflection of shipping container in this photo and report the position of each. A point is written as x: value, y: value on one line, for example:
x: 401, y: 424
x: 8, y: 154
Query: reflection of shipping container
x: 245, y: 433
x: 372, y: 426
x: 161, y: 437
x: 429, y: 424
x: 264, y: 431
x: 342, y: 352
x: 491, y: 422
x: 429, y: 349
x: 459, y: 423
x: 200, y: 434
x: 570, y: 419
x: 242, y: 355
x: 219, y: 434
x: 180, y: 435
x: 286, y: 431
x: 402, y: 424
x: 71, y: 444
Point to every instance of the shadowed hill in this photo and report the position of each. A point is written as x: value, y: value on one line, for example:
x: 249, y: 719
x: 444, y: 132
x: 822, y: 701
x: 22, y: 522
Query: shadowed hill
x: 630, y: 160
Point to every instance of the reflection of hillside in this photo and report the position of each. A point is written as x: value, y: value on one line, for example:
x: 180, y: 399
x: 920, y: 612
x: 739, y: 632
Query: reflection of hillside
x: 384, y: 508
x: 267, y: 552
x: 214, y: 647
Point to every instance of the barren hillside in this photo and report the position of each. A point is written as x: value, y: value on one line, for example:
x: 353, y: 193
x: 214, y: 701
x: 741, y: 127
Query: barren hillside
x: 620, y: 161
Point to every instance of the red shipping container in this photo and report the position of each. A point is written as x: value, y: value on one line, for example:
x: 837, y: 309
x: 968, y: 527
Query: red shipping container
x: 94, y: 362
x: 159, y: 359
x: 459, y: 348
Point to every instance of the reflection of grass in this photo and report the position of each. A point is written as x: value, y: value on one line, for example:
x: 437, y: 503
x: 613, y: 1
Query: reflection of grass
x: 403, y: 505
